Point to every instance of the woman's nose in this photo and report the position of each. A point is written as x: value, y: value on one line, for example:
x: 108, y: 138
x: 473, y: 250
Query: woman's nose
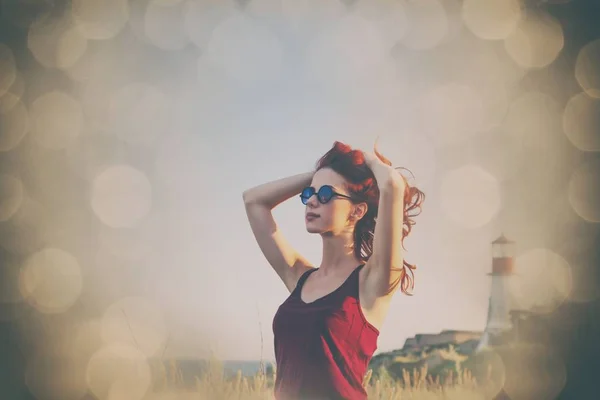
x: 312, y: 201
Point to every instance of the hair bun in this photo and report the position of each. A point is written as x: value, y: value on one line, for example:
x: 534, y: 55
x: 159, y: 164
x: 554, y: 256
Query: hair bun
x: 342, y: 147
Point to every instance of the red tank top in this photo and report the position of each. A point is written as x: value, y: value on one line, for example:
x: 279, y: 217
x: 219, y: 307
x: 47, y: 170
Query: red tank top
x: 323, y: 348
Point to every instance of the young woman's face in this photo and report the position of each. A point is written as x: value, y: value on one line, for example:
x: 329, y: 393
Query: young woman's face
x: 333, y: 216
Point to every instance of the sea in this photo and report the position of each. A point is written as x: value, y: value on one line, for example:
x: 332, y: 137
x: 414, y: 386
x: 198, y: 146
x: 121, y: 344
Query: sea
x: 191, y: 368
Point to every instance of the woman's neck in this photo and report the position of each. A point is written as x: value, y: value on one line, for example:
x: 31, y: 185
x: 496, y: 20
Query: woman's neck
x: 338, y: 254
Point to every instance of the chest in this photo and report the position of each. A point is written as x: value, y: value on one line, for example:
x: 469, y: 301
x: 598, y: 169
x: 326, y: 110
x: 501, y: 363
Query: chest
x: 315, y: 289
x: 336, y: 322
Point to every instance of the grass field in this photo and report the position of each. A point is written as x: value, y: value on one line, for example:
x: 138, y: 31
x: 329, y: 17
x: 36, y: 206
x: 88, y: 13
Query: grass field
x: 416, y: 384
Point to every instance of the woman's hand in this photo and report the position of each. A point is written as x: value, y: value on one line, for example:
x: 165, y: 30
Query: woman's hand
x: 375, y: 157
x: 371, y: 159
x: 382, y: 167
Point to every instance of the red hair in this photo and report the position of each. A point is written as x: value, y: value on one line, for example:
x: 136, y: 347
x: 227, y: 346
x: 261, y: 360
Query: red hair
x: 361, y: 184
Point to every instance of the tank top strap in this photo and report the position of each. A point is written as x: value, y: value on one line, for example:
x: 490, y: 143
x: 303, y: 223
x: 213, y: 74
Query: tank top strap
x: 350, y: 287
x: 301, y: 280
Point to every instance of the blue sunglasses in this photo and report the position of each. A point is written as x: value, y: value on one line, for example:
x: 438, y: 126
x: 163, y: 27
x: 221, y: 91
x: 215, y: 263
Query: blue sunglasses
x: 324, y: 195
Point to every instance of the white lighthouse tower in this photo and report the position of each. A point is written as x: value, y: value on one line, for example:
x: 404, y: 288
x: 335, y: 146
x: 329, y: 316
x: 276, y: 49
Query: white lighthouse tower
x: 501, y: 299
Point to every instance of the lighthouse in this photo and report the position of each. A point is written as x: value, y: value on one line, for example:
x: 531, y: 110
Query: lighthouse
x: 500, y: 302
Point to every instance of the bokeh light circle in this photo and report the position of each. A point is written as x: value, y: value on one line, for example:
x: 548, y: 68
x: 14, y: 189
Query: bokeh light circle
x: 581, y: 122
x: 584, y: 191
x: 57, y: 120
x: 542, y: 282
x: 100, y: 19
x: 470, y: 196
x: 491, y: 19
x: 16, y: 91
x: 11, y: 196
x: 532, y: 120
x: 14, y: 121
x: 51, y: 280
x: 349, y: 48
x: 163, y: 24
x: 121, y: 196
x: 202, y: 17
x: 536, y: 41
x: 451, y: 113
x: 428, y: 25
x: 389, y: 17
x: 303, y: 16
x: 247, y: 51
x: 70, y: 48
x: 118, y: 372
x: 533, y: 372
x: 587, y: 68
x: 137, y: 322
x: 488, y: 369
x: 139, y: 113
x: 56, y: 42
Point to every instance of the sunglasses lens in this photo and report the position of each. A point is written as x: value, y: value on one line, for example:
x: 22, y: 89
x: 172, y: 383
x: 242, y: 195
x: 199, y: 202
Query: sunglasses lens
x: 306, y: 194
x: 325, y: 194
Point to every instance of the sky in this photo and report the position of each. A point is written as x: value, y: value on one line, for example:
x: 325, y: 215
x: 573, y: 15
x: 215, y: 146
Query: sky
x: 146, y: 127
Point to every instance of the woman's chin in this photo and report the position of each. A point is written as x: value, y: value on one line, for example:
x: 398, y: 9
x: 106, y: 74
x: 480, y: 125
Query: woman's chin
x: 310, y: 228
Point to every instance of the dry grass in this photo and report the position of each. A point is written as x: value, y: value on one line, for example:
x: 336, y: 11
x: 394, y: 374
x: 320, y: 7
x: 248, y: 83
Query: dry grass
x: 416, y: 384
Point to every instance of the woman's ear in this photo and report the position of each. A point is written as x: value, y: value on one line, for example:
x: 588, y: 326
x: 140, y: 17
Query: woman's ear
x: 359, y: 211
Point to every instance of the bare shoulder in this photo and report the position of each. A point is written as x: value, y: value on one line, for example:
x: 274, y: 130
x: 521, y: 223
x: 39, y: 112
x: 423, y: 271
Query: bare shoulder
x: 379, y: 282
x: 374, y: 306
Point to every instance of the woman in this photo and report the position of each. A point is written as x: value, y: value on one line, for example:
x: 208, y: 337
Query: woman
x: 326, y: 331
